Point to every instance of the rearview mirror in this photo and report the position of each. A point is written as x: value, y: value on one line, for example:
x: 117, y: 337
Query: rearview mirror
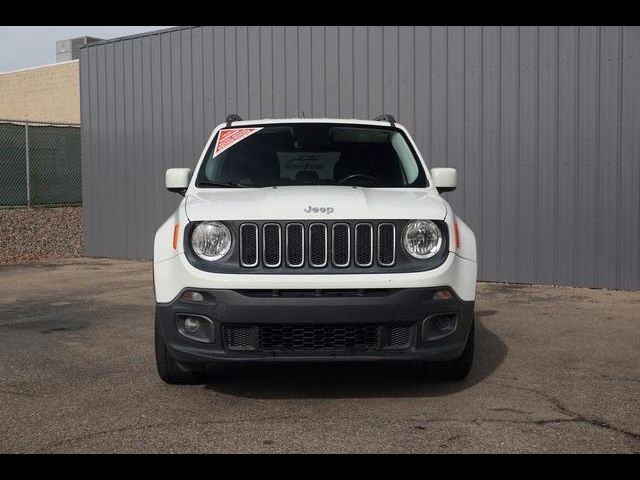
x: 445, y: 179
x: 177, y: 180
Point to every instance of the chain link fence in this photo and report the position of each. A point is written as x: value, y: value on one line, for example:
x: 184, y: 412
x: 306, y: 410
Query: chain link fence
x: 39, y: 164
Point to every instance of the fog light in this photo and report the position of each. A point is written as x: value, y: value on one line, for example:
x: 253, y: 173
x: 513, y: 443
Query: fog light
x: 443, y: 295
x: 444, y: 324
x: 191, y: 324
x: 439, y: 326
x: 196, y: 327
x: 190, y: 296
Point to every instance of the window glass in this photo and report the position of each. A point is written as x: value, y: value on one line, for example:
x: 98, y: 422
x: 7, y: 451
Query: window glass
x: 313, y: 154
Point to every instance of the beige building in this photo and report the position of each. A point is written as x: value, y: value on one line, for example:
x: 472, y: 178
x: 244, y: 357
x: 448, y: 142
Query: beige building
x: 50, y: 93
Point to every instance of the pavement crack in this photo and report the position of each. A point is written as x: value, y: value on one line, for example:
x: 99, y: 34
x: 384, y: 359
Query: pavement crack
x: 132, y: 428
x: 620, y: 379
x: 19, y: 394
x: 512, y: 410
x: 573, y: 416
x: 478, y: 421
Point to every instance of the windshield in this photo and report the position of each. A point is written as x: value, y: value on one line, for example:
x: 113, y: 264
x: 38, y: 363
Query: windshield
x: 311, y: 154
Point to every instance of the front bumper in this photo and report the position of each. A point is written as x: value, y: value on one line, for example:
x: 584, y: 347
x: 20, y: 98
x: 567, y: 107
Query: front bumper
x: 173, y: 274
x: 383, y: 308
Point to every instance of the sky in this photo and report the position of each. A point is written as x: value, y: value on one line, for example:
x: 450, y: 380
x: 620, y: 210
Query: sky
x: 25, y: 47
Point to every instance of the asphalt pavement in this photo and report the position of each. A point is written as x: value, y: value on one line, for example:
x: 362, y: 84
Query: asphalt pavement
x: 556, y: 370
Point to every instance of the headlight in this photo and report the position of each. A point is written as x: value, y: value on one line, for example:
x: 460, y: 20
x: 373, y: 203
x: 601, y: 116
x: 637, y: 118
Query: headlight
x: 211, y: 240
x: 422, y: 239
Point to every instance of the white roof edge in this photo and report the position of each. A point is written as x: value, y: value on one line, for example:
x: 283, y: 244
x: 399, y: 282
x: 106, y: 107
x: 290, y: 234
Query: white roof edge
x: 353, y: 121
x: 39, y: 66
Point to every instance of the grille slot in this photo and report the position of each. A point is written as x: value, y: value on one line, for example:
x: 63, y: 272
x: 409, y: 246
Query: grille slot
x: 318, y: 245
x: 386, y: 244
x: 341, y: 244
x: 271, y: 244
x: 249, y: 245
x: 294, y: 245
x: 364, y: 244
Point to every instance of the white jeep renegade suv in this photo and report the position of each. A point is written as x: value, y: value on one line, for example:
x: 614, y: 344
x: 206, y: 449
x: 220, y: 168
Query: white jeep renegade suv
x: 313, y: 239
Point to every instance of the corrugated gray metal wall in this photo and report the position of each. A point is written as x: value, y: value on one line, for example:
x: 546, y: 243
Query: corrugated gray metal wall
x: 543, y: 124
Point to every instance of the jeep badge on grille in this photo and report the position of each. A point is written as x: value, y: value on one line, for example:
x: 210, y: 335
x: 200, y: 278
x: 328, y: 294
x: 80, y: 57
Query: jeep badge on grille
x: 327, y: 210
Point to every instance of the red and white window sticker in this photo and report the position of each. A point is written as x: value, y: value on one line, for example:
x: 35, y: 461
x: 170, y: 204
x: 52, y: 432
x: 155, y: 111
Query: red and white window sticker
x: 230, y: 136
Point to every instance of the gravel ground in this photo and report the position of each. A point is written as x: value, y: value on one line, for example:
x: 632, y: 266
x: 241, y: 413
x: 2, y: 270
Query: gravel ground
x: 556, y: 370
x: 28, y: 234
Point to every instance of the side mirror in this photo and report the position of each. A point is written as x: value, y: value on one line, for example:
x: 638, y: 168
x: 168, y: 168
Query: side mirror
x: 177, y: 179
x: 445, y: 179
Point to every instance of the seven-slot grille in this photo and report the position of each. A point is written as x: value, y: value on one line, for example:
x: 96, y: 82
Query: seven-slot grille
x: 317, y: 244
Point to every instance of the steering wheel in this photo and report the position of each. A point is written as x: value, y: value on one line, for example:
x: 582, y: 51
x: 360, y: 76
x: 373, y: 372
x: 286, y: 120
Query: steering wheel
x: 362, y: 175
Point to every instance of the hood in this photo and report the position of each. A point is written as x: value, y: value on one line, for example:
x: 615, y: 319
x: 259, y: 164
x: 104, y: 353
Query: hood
x: 313, y: 203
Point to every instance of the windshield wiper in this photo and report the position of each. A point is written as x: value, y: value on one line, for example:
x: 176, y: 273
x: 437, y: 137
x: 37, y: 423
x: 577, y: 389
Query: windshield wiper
x: 209, y: 183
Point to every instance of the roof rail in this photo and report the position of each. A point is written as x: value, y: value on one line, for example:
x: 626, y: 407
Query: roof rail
x: 234, y: 117
x: 385, y: 118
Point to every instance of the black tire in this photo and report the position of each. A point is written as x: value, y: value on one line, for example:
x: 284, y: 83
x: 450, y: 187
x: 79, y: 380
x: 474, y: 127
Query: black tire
x: 459, y: 368
x: 168, y: 369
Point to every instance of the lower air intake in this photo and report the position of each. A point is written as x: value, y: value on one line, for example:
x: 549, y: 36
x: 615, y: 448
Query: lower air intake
x: 317, y: 337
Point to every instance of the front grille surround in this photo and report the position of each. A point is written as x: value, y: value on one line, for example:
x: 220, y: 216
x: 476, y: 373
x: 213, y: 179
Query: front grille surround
x: 383, y: 240
x: 318, y: 250
x: 363, y: 242
x: 249, y: 251
x: 291, y: 247
x: 337, y: 252
x: 269, y: 251
x: 247, y: 255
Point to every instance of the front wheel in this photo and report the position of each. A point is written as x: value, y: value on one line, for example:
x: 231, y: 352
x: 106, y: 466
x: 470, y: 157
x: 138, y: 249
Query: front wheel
x: 459, y: 368
x: 168, y: 369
